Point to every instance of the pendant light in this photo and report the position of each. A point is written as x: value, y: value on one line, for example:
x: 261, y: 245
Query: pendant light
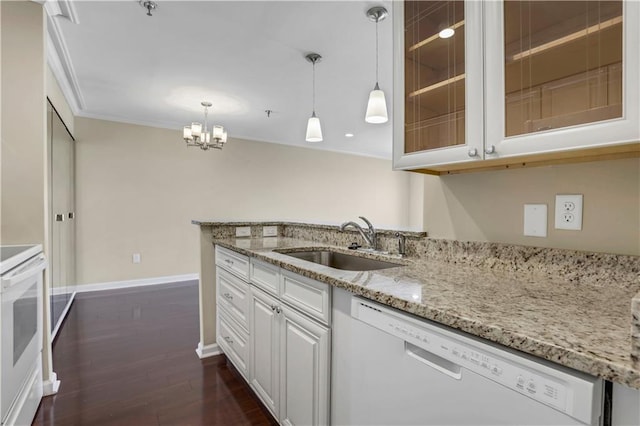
x: 314, y: 131
x: 377, y: 105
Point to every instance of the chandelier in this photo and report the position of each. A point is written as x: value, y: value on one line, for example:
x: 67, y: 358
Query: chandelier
x: 195, y: 135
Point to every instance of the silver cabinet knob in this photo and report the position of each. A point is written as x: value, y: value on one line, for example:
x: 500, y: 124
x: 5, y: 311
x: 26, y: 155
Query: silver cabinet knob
x: 490, y: 150
x: 228, y: 340
x: 473, y: 152
x: 228, y: 296
x: 273, y: 307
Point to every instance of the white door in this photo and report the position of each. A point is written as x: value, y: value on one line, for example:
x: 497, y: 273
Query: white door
x: 304, y: 370
x: 264, y: 341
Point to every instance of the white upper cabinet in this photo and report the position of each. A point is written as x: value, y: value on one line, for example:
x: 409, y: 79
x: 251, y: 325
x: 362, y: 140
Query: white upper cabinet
x: 518, y: 81
x: 438, y: 83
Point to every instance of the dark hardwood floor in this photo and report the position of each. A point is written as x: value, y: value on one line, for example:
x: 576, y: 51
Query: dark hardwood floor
x: 127, y: 357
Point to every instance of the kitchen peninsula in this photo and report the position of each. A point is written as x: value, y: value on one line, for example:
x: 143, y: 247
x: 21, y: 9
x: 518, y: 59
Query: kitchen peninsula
x: 568, y: 307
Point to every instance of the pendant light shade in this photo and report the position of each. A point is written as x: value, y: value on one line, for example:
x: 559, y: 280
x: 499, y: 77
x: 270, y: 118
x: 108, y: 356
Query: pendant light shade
x: 377, y: 105
x: 314, y: 131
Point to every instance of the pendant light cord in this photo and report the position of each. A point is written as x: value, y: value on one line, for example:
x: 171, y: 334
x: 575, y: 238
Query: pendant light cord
x: 314, y: 88
x: 377, y: 51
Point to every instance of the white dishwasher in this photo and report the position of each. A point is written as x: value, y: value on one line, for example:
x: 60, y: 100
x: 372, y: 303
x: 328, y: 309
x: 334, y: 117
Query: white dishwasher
x: 390, y: 368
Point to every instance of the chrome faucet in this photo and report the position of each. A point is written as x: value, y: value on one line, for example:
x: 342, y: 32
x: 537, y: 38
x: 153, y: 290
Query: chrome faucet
x: 369, y: 236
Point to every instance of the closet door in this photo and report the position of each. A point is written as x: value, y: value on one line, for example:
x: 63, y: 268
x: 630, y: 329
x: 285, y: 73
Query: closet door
x: 62, y: 255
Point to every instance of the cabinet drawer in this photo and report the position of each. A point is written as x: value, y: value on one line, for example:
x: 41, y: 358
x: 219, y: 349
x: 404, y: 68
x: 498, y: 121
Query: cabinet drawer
x: 265, y: 276
x: 233, y: 295
x: 234, y: 343
x: 233, y: 262
x: 307, y: 295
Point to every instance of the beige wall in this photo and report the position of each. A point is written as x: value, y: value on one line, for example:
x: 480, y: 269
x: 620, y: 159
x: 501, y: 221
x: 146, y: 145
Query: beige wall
x: 138, y: 188
x: 23, y: 151
x: 58, y: 100
x: 489, y: 206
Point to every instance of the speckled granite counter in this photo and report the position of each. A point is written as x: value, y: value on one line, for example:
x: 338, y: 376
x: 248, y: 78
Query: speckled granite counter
x: 542, y: 311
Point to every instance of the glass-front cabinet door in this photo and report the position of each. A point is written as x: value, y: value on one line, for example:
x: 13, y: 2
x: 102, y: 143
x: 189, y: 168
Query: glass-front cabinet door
x: 438, y: 82
x: 560, y: 75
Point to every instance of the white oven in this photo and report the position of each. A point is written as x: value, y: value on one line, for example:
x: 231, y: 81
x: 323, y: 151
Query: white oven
x: 21, y: 330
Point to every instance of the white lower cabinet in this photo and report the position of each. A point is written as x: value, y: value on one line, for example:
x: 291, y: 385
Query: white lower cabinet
x: 304, y: 370
x: 232, y: 301
x: 290, y: 357
x: 264, y: 341
x: 234, y: 342
x: 275, y: 329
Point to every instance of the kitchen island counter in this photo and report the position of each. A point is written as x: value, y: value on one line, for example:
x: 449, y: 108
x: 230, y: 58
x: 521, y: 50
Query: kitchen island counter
x: 581, y: 324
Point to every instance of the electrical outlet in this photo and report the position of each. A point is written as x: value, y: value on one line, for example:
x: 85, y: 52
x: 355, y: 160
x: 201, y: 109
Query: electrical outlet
x: 136, y: 258
x: 535, y: 220
x: 568, y: 212
x: 269, y: 231
x: 243, y: 231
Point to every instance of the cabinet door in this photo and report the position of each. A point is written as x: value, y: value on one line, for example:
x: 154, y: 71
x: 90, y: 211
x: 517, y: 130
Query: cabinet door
x: 304, y: 370
x: 438, y: 83
x: 264, y: 354
x: 561, y: 75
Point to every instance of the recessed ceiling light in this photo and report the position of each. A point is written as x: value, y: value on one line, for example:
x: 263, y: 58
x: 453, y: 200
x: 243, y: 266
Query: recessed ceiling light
x: 348, y: 135
x: 446, y: 33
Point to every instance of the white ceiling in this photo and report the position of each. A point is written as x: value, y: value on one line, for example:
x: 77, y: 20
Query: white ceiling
x: 243, y: 56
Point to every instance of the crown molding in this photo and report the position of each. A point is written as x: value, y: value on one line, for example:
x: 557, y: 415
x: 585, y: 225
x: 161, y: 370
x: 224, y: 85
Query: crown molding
x: 118, y: 119
x: 58, y: 56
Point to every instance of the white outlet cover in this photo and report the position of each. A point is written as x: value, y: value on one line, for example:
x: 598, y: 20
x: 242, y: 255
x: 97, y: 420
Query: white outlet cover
x: 269, y: 231
x: 243, y: 231
x: 568, y: 212
x: 136, y: 258
x: 535, y: 220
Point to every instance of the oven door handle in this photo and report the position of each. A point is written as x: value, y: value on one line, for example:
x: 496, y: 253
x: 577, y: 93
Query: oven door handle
x: 33, y: 269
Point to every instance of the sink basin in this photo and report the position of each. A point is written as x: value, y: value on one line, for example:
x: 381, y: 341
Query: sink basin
x: 342, y: 261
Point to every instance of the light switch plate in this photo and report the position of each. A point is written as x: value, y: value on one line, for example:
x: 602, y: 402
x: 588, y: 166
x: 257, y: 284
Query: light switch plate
x: 269, y: 231
x: 243, y: 231
x: 535, y: 220
x: 569, y: 212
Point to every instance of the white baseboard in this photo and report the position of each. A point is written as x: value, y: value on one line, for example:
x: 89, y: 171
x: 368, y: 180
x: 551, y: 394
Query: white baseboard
x: 113, y: 285
x: 51, y: 386
x: 205, y: 351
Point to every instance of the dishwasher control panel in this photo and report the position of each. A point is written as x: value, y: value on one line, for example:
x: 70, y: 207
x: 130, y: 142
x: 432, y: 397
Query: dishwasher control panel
x: 550, y: 386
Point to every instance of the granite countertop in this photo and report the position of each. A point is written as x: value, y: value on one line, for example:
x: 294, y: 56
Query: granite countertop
x: 577, y: 325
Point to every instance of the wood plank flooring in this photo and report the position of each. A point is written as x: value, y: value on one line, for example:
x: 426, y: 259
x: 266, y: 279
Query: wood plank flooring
x: 127, y: 357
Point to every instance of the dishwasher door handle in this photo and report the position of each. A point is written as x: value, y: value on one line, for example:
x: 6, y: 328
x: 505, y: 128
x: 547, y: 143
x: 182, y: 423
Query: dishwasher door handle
x: 434, y: 361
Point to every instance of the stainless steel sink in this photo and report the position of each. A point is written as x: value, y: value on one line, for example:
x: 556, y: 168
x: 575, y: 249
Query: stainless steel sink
x: 342, y: 261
